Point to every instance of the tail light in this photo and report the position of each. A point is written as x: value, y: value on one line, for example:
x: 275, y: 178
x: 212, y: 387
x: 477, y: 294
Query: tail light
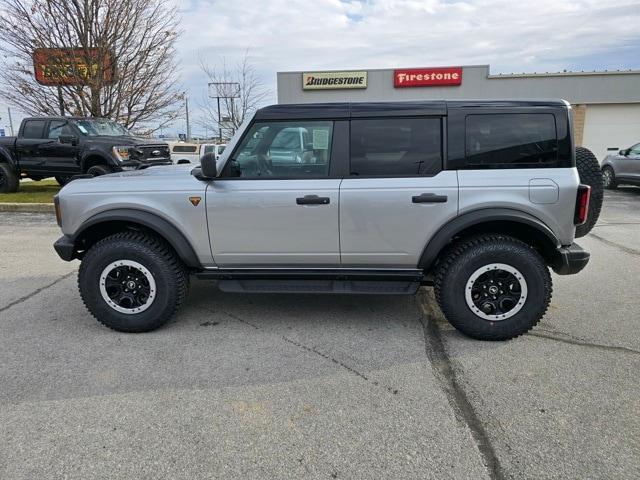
x: 582, y: 204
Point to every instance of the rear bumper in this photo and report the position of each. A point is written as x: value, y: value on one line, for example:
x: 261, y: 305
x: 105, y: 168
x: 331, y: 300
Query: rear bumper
x: 571, y: 259
x: 65, y: 248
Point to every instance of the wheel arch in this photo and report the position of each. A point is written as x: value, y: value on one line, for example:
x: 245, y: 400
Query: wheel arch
x: 107, y: 223
x: 94, y: 158
x: 520, y: 225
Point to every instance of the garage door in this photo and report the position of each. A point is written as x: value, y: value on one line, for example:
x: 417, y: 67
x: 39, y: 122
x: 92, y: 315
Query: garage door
x: 611, y: 127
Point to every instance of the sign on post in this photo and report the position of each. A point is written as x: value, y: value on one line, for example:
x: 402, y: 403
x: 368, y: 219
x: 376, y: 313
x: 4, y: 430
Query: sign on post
x: 73, y: 66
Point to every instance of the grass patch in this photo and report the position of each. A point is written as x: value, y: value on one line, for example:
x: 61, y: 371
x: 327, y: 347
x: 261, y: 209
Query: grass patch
x: 32, y: 192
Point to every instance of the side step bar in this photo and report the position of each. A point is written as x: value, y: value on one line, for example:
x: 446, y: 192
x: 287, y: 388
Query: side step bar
x: 390, y: 282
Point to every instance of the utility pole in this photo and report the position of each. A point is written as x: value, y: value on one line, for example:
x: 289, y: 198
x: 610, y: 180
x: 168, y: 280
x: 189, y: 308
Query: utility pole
x: 10, y: 121
x: 186, y: 107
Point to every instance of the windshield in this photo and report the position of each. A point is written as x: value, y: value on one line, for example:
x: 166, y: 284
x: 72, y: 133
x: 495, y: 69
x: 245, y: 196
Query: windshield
x: 98, y: 126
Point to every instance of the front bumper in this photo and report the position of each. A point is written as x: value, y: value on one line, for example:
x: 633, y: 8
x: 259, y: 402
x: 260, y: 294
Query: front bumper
x: 65, y: 248
x: 571, y: 259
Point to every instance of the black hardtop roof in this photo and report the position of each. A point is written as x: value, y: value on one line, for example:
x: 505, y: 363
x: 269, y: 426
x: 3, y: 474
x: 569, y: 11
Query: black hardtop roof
x: 383, y: 109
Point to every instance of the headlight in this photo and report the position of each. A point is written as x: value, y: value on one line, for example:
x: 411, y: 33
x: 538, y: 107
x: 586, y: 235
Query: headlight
x: 121, y: 153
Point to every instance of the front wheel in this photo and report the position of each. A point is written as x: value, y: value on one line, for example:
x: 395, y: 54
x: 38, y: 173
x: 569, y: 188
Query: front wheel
x: 98, y: 170
x: 493, y: 287
x: 609, y: 178
x: 132, y: 282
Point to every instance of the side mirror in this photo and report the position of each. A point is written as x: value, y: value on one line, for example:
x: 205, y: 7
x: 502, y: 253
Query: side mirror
x: 68, y: 139
x: 208, y: 165
x: 624, y: 152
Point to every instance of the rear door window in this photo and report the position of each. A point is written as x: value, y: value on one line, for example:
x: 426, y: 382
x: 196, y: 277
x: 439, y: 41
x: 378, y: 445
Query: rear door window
x: 396, y: 147
x: 514, y: 140
x: 33, y: 128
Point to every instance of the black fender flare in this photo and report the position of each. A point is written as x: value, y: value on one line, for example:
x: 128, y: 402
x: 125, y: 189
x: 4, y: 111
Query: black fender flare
x: 95, y: 153
x: 161, y: 227
x: 7, y: 157
x: 477, y: 218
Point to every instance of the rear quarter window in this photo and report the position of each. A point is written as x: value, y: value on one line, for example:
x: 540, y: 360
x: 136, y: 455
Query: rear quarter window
x: 185, y: 149
x: 511, y: 140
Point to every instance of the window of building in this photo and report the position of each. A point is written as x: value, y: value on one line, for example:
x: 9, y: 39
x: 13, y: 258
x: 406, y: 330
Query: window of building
x: 512, y: 139
x: 396, y: 147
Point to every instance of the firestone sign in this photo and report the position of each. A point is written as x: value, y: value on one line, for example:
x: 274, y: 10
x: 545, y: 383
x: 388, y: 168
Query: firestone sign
x: 333, y: 80
x: 427, y: 77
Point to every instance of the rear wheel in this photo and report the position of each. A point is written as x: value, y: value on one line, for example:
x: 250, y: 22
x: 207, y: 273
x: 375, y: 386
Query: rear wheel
x: 590, y: 174
x: 9, y: 181
x: 132, y: 282
x: 609, y: 178
x: 98, y: 170
x: 493, y: 287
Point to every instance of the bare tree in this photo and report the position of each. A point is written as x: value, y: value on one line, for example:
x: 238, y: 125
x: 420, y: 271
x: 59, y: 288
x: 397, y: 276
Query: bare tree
x: 138, y: 36
x: 240, y: 92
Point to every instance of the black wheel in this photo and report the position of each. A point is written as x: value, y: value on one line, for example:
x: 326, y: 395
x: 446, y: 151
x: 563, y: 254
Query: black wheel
x: 62, y: 179
x: 132, y: 282
x: 493, y: 287
x: 9, y: 181
x: 98, y: 170
x: 609, y: 178
x: 590, y: 174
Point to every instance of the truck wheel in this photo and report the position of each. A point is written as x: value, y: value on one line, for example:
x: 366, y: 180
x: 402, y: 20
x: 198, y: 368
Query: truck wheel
x: 590, y: 174
x: 62, y: 179
x: 132, y: 282
x: 493, y: 287
x: 9, y: 181
x: 98, y: 170
x: 609, y: 178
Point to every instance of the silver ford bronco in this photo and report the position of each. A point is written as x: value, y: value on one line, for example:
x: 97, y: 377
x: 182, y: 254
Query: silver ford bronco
x: 478, y: 199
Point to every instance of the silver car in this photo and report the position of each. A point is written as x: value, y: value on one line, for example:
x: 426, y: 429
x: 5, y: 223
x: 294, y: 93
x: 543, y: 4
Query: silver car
x: 622, y: 168
x: 477, y: 199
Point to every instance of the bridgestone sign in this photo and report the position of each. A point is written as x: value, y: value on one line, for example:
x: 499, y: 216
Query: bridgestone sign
x: 333, y: 80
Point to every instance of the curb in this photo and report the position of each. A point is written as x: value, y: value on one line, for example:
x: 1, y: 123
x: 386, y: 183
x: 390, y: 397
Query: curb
x: 27, y: 207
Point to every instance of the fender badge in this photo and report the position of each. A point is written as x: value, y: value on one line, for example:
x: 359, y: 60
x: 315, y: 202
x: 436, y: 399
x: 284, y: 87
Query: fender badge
x: 195, y: 201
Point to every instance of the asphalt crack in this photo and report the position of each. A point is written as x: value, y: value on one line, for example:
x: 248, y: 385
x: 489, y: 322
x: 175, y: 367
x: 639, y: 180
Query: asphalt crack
x: 584, y: 343
x: 35, y: 292
x: 457, y: 397
x: 315, y: 351
x: 630, y: 251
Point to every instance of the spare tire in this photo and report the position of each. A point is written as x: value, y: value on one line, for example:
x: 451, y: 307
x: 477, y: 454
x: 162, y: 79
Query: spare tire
x: 590, y: 174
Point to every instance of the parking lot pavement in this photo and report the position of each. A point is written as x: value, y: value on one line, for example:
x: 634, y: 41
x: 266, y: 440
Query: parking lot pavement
x: 300, y: 386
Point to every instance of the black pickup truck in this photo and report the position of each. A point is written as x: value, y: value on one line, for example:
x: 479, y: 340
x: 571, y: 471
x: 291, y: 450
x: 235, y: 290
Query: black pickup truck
x: 62, y: 147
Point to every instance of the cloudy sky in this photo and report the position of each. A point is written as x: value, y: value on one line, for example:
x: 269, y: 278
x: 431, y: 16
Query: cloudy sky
x: 509, y: 35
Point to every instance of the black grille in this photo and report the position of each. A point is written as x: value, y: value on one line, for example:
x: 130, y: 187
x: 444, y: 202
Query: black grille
x: 153, y: 154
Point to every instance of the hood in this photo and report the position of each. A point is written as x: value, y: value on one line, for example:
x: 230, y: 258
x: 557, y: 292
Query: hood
x: 126, y: 140
x: 161, y: 178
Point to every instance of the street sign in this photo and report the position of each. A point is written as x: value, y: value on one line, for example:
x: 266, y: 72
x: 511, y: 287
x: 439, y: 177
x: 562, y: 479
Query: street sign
x: 2, y: 132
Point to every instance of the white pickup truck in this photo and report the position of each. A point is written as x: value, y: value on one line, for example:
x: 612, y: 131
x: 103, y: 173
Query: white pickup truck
x: 182, y: 152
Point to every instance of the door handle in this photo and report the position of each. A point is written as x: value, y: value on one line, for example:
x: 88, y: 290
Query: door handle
x: 312, y: 200
x: 429, y: 198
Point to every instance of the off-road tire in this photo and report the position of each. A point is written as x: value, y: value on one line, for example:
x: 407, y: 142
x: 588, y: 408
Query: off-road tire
x: 9, y: 181
x: 590, y: 174
x: 62, y: 179
x: 612, y: 183
x: 98, y: 170
x: 471, y: 254
x: 170, y: 276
